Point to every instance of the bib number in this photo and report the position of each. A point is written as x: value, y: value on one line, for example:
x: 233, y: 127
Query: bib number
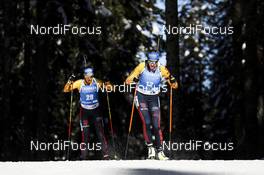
x: 89, y: 97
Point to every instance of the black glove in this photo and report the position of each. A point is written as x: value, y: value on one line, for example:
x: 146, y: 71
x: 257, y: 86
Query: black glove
x: 71, y: 78
x: 172, y: 79
x: 135, y: 79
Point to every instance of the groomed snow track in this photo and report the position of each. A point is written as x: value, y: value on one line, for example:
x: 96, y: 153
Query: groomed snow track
x: 135, y: 167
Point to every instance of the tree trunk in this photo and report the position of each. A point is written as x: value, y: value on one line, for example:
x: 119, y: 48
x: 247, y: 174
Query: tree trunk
x: 239, y: 124
x: 40, y: 74
x: 251, y: 80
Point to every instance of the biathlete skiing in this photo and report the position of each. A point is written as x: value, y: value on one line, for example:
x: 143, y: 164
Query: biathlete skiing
x: 90, y: 114
x: 149, y: 76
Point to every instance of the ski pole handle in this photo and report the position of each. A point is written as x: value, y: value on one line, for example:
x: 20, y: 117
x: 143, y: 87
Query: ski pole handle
x: 71, y: 78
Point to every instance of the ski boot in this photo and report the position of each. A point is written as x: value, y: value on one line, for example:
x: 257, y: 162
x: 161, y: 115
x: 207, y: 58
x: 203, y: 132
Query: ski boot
x: 151, y: 152
x: 162, y: 156
x: 106, y: 157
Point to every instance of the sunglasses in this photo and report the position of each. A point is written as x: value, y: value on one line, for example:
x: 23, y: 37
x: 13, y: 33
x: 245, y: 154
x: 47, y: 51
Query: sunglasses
x: 88, y: 75
x: 152, y: 62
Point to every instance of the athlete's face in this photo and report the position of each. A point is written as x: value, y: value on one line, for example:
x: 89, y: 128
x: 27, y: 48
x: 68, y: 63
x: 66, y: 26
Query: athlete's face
x: 152, y: 65
x: 88, y: 78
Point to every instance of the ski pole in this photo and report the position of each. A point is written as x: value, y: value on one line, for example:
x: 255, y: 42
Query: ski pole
x: 170, y: 111
x: 170, y: 114
x: 158, y: 44
x: 131, y: 120
x: 111, y: 126
x: 85, y: 61
x: 70, y: 121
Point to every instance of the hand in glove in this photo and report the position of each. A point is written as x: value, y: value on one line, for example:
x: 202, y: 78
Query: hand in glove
x: 173, y: 83
x: 71, y: 78
x: 136, y: 80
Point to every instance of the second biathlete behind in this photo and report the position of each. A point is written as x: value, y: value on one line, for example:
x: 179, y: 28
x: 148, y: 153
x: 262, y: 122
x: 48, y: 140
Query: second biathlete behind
x: 90, y: 115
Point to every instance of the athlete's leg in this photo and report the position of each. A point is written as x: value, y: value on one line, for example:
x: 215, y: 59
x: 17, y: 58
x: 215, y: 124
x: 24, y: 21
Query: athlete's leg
x: 85, y: 131
x: 98, y: 124
x: 143, y: 110
x: 154, y: 105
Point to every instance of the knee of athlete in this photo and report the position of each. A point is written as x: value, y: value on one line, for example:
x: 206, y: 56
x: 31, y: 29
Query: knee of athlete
x: 155, y: 112
x: 85, y: 123
x: 143, y: 107
x: 155, y: 108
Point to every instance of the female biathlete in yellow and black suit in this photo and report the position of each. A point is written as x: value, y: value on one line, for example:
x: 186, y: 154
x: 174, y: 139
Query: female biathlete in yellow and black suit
x: 150, y: 75
x: 90, y: 114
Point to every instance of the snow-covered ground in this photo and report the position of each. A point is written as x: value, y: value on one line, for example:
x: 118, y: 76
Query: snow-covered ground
x: 136, y: 167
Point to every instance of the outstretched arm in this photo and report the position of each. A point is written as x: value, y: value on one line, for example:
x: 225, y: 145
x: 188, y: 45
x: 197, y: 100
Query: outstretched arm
x: 70, y: 85
x: 170, y: 79
x: 135, y: 73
